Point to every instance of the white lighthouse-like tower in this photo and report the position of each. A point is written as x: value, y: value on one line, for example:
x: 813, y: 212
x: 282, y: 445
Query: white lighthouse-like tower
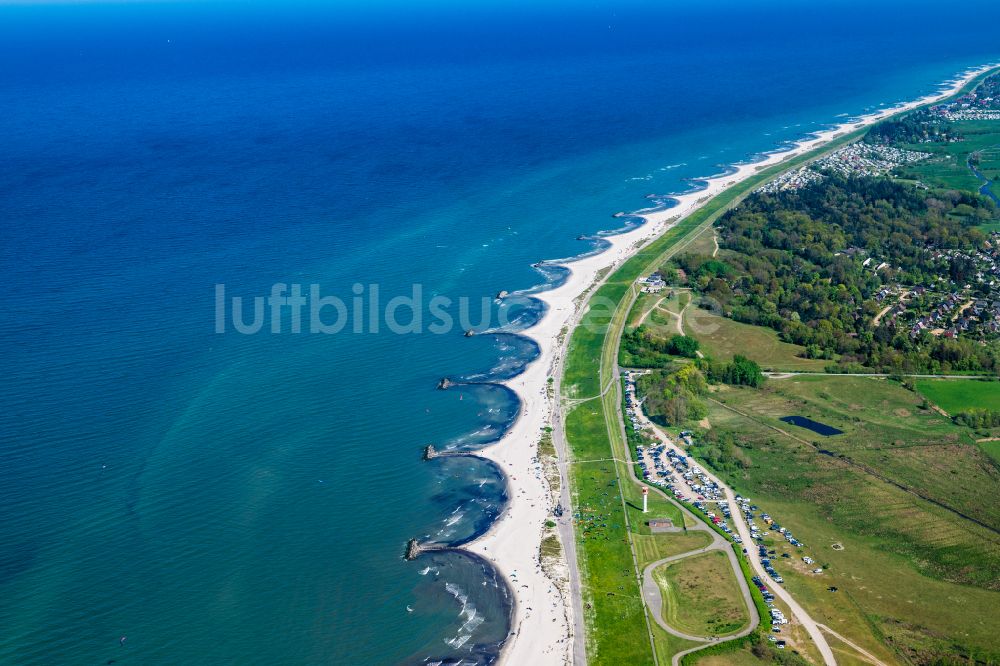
x: 645, y: 499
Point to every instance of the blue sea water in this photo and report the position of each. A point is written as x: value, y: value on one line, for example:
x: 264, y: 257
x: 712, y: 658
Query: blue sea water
x: 229, y: 498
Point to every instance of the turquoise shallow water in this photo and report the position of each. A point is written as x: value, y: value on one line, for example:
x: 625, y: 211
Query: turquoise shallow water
x: 226, y: 498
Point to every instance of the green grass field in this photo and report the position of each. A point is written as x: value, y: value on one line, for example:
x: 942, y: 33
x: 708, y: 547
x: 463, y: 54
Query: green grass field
x: 992, y: 449
x: 885, y: 431
x: 933, y: 554
x: 957, y: 395
x: 700, y: 595
x: 722, y: 338
x: 652, y: 547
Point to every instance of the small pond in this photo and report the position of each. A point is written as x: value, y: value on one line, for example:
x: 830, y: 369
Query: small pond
x: 815, y: 426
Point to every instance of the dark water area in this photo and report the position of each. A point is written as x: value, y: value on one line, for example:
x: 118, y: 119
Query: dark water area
x: 471, y: 507
x: 478, y: 598
x: 809, y: 424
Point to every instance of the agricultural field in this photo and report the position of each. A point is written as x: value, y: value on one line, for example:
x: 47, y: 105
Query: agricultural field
x: 700, y: 595
x: 722, y: 338
x: 959, y: 395
x: 812, y: 483
x: 989, y: 161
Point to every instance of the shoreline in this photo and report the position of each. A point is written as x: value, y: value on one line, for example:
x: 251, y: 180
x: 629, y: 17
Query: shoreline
x: 541, y: 627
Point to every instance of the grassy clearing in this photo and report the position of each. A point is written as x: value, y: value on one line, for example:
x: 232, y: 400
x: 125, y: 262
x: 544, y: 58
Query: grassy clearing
x: 958, y: 395
x: 737, y: 658
x: 667, y: 315
x: 703, y: 243
x: 722, y: 338
x: 755, y: 650
x: 701, y: 596
x: 642, y: 308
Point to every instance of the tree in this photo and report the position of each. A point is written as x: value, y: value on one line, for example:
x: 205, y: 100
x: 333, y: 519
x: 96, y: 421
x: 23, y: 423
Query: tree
x: 682, y: 345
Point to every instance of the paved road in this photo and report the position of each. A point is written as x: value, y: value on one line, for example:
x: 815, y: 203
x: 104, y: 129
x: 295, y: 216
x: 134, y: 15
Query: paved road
x: 744, y: 531
x: 654, y: 598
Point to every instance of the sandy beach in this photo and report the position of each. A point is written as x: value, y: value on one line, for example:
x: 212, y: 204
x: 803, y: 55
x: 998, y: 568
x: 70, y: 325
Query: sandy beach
x: 542, y: 629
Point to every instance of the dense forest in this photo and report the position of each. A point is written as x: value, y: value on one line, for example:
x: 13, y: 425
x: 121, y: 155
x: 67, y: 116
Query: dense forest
x: 810, y: 262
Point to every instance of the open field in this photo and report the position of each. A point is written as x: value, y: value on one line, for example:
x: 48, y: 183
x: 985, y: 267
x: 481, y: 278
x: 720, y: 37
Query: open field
x: 643, y: 307
x: 886, y: 434
x: 700, y: 595
x: 666, y: 316
x: 949, y: 166
x: 954, y: 396
x: 759, y: 653
x: 945, y: 569
x: 722, y: 338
